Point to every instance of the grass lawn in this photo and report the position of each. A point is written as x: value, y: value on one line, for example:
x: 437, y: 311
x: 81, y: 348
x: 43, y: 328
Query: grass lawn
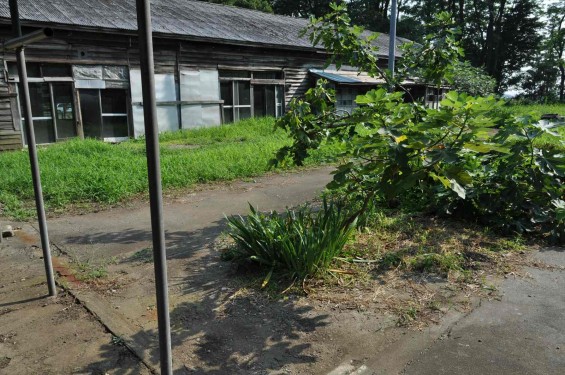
x: 90, y: 171
x: 537, y: 109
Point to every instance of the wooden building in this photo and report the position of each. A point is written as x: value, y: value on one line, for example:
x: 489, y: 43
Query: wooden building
x: 214, y: 64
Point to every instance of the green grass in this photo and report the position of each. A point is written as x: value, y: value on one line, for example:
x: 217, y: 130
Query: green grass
x: 90, y: 171
x: 300, y: 242
x: 545, y: 141
x: 537, y: 109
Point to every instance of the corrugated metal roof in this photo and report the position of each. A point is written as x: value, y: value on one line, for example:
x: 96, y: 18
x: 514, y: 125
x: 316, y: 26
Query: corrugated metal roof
x: 334, y: 77
x: 180, y: 18
x: 347, y: 77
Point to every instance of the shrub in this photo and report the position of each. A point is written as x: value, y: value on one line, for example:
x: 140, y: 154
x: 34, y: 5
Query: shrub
x: 300, y: 242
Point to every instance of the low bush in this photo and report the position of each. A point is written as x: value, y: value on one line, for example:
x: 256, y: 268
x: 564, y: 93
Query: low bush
x: 301, y: 242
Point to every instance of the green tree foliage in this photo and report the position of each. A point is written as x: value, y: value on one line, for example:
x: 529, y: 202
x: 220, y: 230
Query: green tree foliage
x: 468, y: 158
x: 538, y: 82
x: 471, y: 80
x: 556, y: 42
x: 262, y: 5
x: 301, y: 8
x: 501, y: 36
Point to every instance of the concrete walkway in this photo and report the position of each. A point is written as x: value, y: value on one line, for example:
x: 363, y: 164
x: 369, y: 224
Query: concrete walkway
x: 524, y: 333
x: 218, y: 330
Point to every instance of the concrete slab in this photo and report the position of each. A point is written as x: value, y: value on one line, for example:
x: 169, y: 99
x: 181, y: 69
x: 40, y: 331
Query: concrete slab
x: 524, y: 333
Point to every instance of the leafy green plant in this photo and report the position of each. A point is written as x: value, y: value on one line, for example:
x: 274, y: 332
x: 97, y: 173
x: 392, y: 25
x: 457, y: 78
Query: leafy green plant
x: 301, y: 242
x: 87, y: 271
x: 467, y: 157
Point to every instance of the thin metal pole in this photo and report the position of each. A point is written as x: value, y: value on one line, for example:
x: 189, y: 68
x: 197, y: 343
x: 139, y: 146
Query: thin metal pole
x: 31, y: 146
x: 392, y: 35
x: 155, y: 190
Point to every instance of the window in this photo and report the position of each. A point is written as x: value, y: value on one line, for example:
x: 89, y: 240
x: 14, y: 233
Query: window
x: 105, y: 72
x: 345, y: 99
x: 104, y: 113
x: 64, y: 113
x: 267, y: 100
x: 251, y: 94
x: 267, y: 75
x: 52, y: 111
x: 40, y: 70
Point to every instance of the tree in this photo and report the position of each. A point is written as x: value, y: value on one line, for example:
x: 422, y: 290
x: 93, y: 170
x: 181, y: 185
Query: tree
x: 302, y: 8
x: 262, y: 5
x: 556, y: 41
x: 500, y: 36
x: 471, y: 80
x: 538, y: 82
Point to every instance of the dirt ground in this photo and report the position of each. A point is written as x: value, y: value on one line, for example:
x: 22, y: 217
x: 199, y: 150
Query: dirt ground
x: 43, y: 335
x: 221, y: 323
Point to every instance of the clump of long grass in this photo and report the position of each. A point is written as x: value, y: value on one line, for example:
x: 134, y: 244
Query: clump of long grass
x: 301, y: 242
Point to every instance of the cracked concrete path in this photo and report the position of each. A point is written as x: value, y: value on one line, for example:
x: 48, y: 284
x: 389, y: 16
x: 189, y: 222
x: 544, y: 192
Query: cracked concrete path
x: 523, y: 333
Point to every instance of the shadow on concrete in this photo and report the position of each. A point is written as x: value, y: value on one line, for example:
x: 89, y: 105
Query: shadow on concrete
x: 180, y: 244
x: 220, y: 327
x: 125, y: 364
x: 6, y: 304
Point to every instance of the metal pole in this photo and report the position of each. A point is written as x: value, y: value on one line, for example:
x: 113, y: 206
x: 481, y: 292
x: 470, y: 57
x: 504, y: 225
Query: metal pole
x: 155, y: 190
x: 392, y: 36
x: 30, y: 137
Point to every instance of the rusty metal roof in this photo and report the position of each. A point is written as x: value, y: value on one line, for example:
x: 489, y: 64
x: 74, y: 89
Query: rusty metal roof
x: 183, y: 19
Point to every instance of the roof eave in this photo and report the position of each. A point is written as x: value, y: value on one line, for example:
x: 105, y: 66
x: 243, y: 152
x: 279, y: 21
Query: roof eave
x: 189, y: 38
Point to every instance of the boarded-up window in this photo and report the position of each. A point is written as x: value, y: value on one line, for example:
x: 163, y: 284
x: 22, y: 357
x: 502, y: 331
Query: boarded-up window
x: 199, y: 93
x: 166, y: 96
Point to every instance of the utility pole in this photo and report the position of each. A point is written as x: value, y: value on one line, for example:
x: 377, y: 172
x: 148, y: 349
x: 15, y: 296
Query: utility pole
x: 154, y: 174
x: 19, y: 43
x: 392, y: 36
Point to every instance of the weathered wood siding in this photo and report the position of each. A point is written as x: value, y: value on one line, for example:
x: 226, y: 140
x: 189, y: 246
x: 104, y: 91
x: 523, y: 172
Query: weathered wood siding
x: 10, y: 135
x: 79, y: 47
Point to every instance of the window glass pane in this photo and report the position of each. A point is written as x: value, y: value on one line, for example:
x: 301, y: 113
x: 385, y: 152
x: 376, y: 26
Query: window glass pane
x: 267, y: 75
x: 64, y: 110
x: 228, y: 115
x: 226, y: 93
x: 43, y: 129
x: 243, y: 113
x: 40, y: 100
x: 56, y: 70
x: 258, y: 100
x: 87, y: 71
x: 115, y: 72
x: 279, y: 100
x: 113, y: 101
x: 115, y: 126
x: 12, y: 69
x: 90, y: 112
x: 234, y: 74
x: 243, y: 93
x: 32, y: 70
x: 270, y: 100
